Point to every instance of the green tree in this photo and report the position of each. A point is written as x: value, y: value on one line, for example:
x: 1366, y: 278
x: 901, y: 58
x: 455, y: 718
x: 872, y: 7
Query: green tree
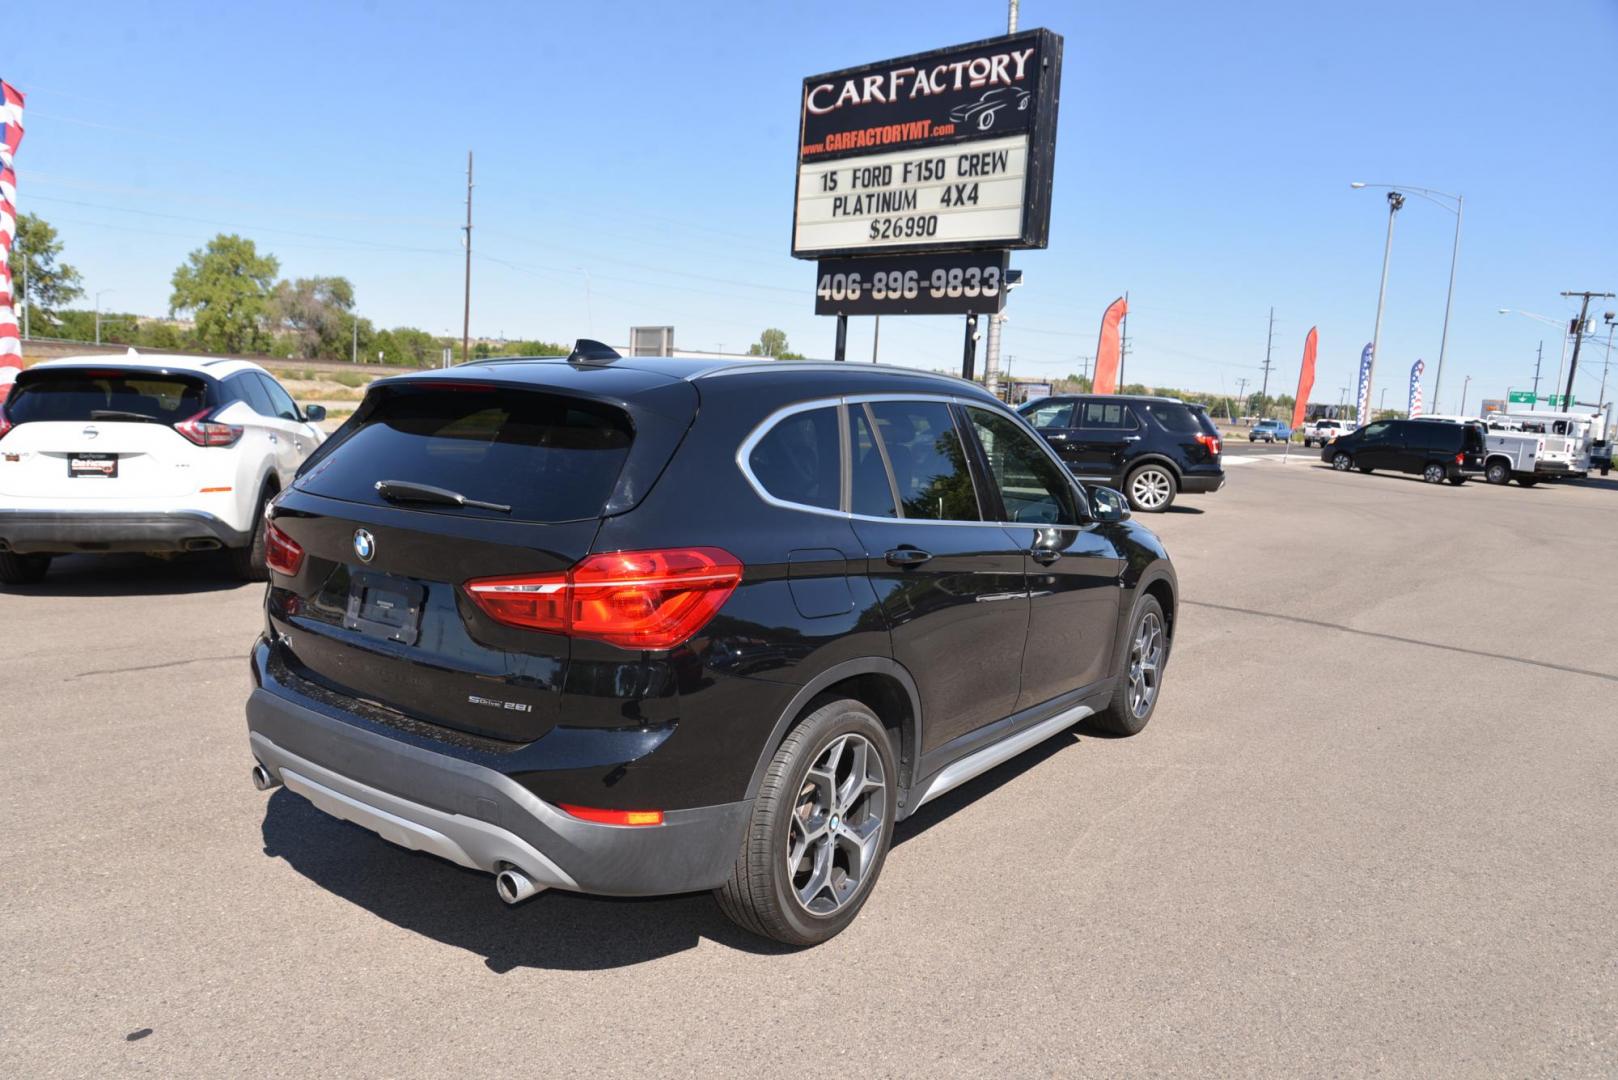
x: 772, y: 343
x: 49, y: 283
x: 1258, y: 405
x: 318, y: 313
x: 227, y: 287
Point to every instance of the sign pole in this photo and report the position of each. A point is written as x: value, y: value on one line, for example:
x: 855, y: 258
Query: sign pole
x: 969, y: 352
x: 842, y: 339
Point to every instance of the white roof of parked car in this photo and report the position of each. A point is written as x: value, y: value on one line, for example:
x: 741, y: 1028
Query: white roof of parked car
x: 219, y: 367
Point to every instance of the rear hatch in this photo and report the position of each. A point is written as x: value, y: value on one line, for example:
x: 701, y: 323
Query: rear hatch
x: 1189, y: 427
x: 87, y: 434
x: 376, y: 609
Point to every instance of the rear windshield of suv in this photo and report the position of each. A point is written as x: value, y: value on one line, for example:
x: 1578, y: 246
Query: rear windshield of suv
x: 76, y: 395
x: 548, y: 456
x: 1179, y: 419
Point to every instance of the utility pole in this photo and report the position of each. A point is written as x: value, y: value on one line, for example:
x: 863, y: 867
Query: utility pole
x: 1601, y: 398
x: 1084, y: 366
x: 991, y: 348
x: 23, y: 251
x: 466, y: 308
x: 1269, y: 342
x: 1465, y: 386
x: 1538, y: 356
x: 1241, y: 391
x: 1578, y: 340
x: 354, y: 349
x: 876, y: 337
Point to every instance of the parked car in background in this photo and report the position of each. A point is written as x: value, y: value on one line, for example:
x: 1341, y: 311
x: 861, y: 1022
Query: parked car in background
x: 144, y: 454
x: 1436, y: 450
x: 1270, y: 431
x: 638, y: 626
x: 1325, y: 430
x: 1150, y: 448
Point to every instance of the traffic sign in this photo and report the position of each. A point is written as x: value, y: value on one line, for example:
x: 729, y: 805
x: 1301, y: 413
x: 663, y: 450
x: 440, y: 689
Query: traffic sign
x: 1521, y: 397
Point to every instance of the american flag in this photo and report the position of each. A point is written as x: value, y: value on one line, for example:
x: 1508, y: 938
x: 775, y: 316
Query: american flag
x: 1415, y: 388
x: 10, y: 136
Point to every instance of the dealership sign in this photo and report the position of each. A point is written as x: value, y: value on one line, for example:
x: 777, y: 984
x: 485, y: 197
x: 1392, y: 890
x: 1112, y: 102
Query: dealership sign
x: 944, y: 151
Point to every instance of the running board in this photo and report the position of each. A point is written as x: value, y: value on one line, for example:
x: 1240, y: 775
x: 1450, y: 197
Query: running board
x: 957, y: 773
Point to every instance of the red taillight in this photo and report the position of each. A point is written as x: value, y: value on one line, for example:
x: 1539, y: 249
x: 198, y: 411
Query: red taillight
x: 636, y: 599
x: 1460, y: 459
x: 208, y: 432
x: 615, y: 817
x: 1210, y: 441
x: 281, y: 553
x: 5, y: 425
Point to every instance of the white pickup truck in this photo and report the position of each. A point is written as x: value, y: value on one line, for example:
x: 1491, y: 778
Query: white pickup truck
x: 1512, y: 455
x: 1324, y: 431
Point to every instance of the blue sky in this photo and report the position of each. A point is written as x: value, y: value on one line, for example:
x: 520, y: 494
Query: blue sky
x: 1203, y: 163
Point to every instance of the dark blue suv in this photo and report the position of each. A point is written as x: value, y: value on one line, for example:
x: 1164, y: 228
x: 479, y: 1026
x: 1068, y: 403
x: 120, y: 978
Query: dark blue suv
x: 1150, y: 448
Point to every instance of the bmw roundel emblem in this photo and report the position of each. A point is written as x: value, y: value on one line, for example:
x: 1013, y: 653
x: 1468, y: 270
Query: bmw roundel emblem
x: 364, y: 545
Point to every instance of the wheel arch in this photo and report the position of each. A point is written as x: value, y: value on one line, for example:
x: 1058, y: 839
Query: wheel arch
x: 1154, y: 458
x: 881, y: 684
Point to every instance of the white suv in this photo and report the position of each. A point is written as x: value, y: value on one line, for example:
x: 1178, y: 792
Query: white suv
x: 157, y: 454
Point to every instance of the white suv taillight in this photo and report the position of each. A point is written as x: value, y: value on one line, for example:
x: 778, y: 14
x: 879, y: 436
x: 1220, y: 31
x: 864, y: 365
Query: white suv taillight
x: 206, y: 432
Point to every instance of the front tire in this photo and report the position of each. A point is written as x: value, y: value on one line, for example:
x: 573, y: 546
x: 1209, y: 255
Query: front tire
x: 820, y: 829
x: 1342, y: 462
x: 1497, y: 473
x: 1135, y: 693
x: 23, y: 569
x: 1150, y: 489
x: 1433, y: 473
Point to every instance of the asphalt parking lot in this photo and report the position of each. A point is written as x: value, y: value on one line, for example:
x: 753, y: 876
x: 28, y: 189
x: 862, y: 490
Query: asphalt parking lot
x: 1373, y: 827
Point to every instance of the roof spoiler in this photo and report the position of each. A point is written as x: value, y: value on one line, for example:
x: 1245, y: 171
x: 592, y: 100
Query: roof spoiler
x: 588, y: 353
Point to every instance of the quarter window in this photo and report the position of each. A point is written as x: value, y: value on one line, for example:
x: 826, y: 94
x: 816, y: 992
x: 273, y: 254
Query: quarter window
x: 797, y: 460
x: 1052, y: 414
x: 1033, y: 489
x: 929, y: 462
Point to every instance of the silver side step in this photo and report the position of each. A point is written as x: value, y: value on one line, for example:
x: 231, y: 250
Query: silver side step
x: 954, y: 775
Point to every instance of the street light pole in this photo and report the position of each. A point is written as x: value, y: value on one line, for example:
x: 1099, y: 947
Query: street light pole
x: 1395, y: 202
x: 98, y: 312
x: 1464, y: 387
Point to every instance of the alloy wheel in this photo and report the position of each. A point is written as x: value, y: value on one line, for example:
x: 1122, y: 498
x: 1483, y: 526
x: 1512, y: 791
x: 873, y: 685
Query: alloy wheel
x: 1342, y: 462
x: 1145, y: 665
x: 1434, y: 474
x: 835, y: 833
x: 1151, y: 488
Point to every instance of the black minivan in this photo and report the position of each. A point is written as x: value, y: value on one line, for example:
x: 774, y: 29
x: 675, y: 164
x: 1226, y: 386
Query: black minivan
x: 638, y: 626
x: 1150, y: 448
x: 1436, y: 450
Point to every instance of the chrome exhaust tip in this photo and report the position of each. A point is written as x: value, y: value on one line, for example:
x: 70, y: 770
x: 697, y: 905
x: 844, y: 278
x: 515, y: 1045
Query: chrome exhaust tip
x: 514, y: 886
x: 262, y: 778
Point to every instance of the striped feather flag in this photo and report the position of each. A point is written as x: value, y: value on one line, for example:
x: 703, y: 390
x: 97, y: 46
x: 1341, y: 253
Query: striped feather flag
x: 11, y: 102
x: 1415, y: 389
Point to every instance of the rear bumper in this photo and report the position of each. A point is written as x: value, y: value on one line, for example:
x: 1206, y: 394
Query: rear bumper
x: 46, y: 532
x: 480, y: 818
x: 1201, y: 483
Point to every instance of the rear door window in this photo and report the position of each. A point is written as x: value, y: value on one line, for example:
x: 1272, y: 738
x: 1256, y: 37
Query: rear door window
x: 81, y: 394
x: 252, y: 391
x: 549, y: 457
x: 873, y: 493
x: 797, y: 460
x: 1106, y: 416
x: 928, y: 459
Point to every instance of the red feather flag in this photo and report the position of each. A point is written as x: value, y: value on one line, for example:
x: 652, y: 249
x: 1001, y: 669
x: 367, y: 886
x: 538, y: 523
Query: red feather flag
x: 1109, y: 350
x: 1306, y: 378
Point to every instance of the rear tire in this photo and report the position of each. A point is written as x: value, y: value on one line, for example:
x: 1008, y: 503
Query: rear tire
x: 1433, y: 473
x: 1150, y: 489
x: 1497, y: 473
x: 23, y: 569
x: 1135, y: 691
x: 804, y: 809
x: 247, y: 563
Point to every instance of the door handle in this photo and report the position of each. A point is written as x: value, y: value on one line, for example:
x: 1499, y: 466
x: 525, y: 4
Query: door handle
x: 1044, y: 556
x: 1131, y: 438
x: 908, y: 556
x: 1056, y: 436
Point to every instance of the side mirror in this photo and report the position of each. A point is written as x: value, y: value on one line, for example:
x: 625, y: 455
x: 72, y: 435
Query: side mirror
x: 1108, y: 505
x: 314, y: 413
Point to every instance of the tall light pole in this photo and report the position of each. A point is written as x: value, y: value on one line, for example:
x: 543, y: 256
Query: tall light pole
x: 1459, y: 210
x: 99, y: 294
x: 1464, y: 387
x: 1611, y: 319
x: 1395, y: 202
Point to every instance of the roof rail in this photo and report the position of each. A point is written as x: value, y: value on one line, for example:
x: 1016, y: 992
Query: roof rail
x: 589, y: 352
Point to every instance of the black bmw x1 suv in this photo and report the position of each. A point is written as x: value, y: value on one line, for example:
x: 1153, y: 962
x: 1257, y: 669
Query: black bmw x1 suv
x: 647, y: 626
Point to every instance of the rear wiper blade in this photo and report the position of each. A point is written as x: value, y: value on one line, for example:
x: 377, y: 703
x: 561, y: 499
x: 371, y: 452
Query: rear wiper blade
x: 120, y: 414
x: 405, y: 491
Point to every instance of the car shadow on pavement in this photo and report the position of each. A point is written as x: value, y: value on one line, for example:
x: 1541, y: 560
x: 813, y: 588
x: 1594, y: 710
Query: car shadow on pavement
x: 133, y: 575
x: 1177, y: 509
x: 555, y: 930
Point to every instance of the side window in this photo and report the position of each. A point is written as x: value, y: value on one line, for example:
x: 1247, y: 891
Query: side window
x: 872, y: 494
x: 1052, y: 414
x: 929, y: 462
x: 1106, y: 416
x: 1033, y: 488
x: 797, y: 460
x: 249, y: 389
x: 280, y: 401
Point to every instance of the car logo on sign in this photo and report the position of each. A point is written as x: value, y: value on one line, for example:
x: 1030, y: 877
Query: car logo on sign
x: 364, y: 545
